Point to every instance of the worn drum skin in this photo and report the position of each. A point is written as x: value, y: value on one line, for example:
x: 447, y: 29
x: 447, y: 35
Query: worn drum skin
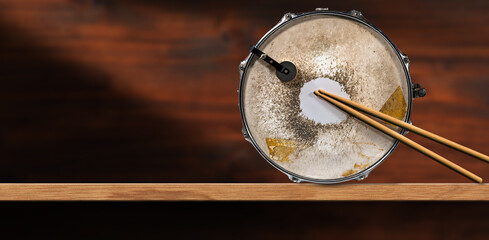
x: 339, y: 52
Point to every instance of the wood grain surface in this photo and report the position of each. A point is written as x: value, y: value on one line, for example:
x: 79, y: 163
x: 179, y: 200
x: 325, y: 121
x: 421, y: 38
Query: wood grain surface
x: 91, y: 91
x: 244, y: 192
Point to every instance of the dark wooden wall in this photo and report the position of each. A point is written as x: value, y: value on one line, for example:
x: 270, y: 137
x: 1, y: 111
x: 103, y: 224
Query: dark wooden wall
x: 145, y: 91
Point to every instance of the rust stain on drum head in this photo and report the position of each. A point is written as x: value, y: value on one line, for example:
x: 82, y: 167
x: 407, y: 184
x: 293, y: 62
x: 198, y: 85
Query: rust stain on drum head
x: 356, y: 168
x: 280, y: 149
x: 396, y: 105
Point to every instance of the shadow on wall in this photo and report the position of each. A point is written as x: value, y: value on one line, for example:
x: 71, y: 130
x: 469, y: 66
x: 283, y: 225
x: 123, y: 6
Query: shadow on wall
x: 61, y: 121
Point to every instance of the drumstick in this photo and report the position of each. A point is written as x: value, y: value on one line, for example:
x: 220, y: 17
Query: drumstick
x: 402, y: 139
x: 409, y: 127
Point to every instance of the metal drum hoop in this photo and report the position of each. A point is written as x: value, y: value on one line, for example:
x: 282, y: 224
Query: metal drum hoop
x: 287, y: 19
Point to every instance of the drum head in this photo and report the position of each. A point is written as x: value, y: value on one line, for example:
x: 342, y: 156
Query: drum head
x: 303, y: 135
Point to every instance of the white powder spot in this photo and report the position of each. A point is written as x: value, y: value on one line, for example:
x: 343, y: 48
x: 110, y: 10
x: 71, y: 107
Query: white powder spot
x: 318, y: 109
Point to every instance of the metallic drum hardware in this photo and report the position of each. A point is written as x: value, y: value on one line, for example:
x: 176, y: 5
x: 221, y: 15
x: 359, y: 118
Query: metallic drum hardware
x: 342, y: 51
x: 418, y: 91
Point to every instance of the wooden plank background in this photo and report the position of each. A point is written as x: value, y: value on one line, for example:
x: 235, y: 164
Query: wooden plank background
x: 98, y: 91
x: 92, y: 91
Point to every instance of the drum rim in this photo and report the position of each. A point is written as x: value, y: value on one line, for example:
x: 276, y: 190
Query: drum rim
x: 294, y: 176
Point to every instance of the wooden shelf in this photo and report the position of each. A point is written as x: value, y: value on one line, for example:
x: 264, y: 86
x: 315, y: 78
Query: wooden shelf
x: 243, y: 191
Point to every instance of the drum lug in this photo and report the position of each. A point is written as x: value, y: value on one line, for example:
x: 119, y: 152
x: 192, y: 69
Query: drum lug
x: 287, y: 17
x: 245, y: 134
x: 357, y: 14
x: 405, y: 59
x: 362, y: 177
x: 242, y: 66
x: 418, y: 91
x: 294, y: 179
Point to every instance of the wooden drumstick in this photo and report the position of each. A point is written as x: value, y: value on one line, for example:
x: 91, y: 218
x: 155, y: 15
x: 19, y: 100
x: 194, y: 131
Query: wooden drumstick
x: 401, y: 138
x: 409, y: 127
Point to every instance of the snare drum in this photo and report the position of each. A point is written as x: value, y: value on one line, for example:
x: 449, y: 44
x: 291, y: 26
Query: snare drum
x: 302, y: 135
